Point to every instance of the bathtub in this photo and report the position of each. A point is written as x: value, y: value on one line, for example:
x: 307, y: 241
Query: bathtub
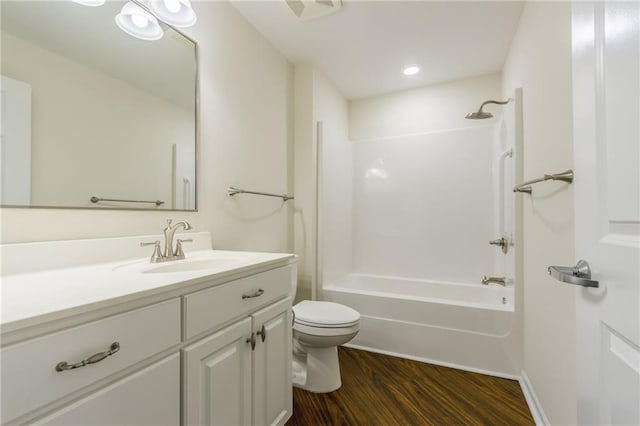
x: 466, y: 326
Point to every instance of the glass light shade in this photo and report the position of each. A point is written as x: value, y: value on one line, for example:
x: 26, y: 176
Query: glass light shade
x: 138, y: 23
x: 178, y: 13
x: 92, y: 3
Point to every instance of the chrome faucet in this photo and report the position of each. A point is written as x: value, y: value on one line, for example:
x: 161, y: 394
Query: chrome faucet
x: 169, y: 231
x: 497, y: 280
x: 169, y: 253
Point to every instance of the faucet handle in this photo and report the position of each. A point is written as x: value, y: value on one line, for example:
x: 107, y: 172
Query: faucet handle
x: 179, y: 253
x: 156, y: 257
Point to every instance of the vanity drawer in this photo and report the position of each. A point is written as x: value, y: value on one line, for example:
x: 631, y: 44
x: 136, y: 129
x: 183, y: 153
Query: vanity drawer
x: 207, y: 309
x: 29, y: 376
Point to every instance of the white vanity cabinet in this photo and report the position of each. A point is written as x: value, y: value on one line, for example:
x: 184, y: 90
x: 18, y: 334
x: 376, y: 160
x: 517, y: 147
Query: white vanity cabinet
x: 241, y: 374
x: 31, y: 378
x: 150, y: 397
x: 216, y: 351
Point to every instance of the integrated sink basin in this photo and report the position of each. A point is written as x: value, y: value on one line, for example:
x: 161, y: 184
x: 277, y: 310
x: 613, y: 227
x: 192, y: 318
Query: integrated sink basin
x: 187, y: 265
x: 199, y: 261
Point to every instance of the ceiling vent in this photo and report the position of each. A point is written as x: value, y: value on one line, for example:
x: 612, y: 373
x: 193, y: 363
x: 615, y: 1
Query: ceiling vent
x: 308, y: 10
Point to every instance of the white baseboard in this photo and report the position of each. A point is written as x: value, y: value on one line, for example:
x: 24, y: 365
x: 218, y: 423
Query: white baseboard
x: 532, y: 401
x: 435, y: 362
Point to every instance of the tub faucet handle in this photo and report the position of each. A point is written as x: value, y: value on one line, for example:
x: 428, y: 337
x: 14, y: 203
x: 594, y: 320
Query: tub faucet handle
x: 502, y: 242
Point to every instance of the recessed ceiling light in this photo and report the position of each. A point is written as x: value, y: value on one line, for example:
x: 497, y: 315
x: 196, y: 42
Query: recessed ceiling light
x: 411, y: 70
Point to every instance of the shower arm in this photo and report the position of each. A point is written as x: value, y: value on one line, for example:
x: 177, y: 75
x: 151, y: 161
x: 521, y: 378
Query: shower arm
x: 493, y: 102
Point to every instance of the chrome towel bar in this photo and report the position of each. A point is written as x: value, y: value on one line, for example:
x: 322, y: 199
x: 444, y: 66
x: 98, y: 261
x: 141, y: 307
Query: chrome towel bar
x: 566, y: 176
x: 233, y: 191
x: 95, y: 199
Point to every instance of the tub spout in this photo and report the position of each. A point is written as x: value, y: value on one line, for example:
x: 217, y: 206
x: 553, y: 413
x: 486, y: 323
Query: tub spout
x: 497, y: 280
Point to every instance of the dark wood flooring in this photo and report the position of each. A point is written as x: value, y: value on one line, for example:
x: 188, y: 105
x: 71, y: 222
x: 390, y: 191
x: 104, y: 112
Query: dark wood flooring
x: 384, y: 390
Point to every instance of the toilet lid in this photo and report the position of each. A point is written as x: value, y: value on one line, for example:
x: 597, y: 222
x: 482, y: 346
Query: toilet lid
x: 324, y: 313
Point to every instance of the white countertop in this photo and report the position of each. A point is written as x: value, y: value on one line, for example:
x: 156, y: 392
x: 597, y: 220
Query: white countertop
x: 34, y: 298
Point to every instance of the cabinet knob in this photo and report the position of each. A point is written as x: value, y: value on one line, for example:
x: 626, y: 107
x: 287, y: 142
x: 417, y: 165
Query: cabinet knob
x: 252, y: 340
x: 262, y: 333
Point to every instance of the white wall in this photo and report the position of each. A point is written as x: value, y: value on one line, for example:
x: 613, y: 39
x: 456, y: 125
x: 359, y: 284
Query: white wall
x: 336, y: 181
x: 539, y: 61
x: 244, y: 140
x: 425, y: 109
x: 324, y: 168
x: 77, y: 145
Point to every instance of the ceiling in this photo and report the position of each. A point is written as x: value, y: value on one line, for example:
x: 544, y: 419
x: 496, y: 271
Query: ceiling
x: 364, y: 47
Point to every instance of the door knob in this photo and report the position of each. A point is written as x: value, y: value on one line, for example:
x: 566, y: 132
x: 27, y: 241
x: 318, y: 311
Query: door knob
x: 577, y: 275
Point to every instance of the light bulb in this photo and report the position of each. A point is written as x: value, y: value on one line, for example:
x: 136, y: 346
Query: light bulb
x: 139, y: 21
x: 177, y: 13
x: 172, y: 6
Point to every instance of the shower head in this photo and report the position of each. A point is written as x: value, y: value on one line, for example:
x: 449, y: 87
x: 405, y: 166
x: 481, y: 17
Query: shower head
x: 480, y: 114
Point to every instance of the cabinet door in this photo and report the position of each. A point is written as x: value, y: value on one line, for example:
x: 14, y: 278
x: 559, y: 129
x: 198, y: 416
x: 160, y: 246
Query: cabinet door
x: 150, y: 396
x: 217, y: 378
x: 272, y: 403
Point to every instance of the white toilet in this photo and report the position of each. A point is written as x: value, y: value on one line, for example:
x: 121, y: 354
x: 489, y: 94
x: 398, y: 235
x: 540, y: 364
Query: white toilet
x: 318, y: 329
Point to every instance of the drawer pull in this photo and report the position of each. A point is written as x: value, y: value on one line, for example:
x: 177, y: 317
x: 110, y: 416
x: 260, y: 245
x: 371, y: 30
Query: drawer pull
x: 63, y: 366
x: 257, y: 293
x: 262, y: 333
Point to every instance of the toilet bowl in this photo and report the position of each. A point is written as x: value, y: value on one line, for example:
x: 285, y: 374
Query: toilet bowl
x: 318, y: 329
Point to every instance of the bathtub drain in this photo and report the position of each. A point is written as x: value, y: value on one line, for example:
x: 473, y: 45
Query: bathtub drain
x: 504, y: 300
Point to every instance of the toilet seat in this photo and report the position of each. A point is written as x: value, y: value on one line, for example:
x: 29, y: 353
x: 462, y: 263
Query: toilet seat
x: 320, y: 314
x: 326, y: 331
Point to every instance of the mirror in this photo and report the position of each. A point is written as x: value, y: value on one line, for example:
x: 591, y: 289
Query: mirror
x: 90, y: 112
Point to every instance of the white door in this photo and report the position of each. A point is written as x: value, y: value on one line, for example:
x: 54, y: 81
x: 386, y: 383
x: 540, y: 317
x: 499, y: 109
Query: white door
x: 606, y: 86
x: 273, y: 393
x: 217, y: 378
x: 15, y: 142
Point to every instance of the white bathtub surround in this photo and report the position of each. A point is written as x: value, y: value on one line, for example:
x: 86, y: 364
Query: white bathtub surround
x: 465, y: 326
x: 424, y: 206
x: 426, y: 202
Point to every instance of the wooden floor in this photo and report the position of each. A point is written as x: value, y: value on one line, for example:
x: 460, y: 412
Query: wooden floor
x: 384, y: 390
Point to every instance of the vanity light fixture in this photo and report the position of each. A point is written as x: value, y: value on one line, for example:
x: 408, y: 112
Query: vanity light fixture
x: 411, y: 70
x: 138, y: 23
x: 92, y: 3
x: 178, y: 13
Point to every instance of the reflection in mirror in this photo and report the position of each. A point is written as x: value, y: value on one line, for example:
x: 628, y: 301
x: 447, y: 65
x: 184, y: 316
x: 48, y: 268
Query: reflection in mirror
x: 89, y: 111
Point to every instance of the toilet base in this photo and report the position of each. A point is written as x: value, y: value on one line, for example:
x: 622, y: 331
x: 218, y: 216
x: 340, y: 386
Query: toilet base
x: 317, y: 369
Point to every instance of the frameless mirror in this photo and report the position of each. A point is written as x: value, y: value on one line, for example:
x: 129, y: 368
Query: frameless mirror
x: 91, y: 114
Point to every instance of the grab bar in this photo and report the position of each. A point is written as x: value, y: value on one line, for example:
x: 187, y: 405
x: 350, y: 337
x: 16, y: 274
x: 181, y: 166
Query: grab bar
x: 566, y: 176
x: 233, y: 191
x: 95, y: 199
